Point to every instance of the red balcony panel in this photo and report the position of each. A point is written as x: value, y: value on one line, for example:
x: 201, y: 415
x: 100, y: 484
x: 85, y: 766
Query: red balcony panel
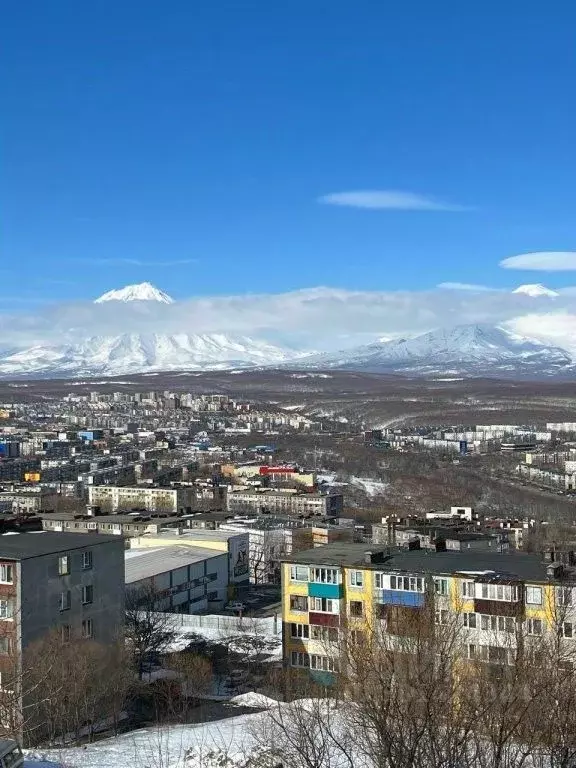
x: 324, y: 619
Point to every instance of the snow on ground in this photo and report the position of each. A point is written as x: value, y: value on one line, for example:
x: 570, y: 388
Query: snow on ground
x: 159, y: 747
x: 369, y: 486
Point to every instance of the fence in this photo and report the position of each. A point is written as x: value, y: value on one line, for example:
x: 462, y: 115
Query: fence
x: 229, y: 624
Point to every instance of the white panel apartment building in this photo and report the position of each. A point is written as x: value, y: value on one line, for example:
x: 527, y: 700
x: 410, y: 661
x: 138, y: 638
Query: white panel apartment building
x: 111, y: 498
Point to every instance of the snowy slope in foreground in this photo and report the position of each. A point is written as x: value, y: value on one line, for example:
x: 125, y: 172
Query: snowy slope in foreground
x: 471, y: 350
x: 134, y: 353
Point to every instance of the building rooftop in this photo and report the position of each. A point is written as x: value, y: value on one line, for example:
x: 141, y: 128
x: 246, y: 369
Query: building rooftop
x: 145, y: 563
x: 194, y: 533
x: 22, y: 546
x: 520, y: 565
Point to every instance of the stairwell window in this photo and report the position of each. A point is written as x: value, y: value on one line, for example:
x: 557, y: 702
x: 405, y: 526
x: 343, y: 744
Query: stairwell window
x: 356, y: 579
x: 87, y: 629
x: 64, y: 565
x: 65, y: 600
x: 534, y: 627
x: 87, y: 594
x: 534, y: 595
x: 6, y: 609
x: 441, y: 586
x: 567, y: 629
x: 356, y: 609
x: 86, y: 561
x: 6, y: 574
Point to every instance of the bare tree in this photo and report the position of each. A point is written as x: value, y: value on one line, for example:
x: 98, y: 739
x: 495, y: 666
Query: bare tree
x: 148, y: 632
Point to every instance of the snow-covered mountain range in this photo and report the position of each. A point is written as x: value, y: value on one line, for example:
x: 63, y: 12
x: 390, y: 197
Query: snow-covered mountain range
x: 466, y: 350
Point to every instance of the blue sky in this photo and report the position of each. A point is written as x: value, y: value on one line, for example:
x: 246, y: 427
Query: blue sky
x: 189, y: 143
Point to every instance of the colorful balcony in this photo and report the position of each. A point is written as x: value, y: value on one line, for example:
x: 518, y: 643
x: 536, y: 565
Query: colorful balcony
x: 394, y: 597
x: 330, y: 591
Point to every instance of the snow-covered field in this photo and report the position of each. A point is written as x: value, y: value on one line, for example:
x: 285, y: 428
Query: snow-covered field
x: 167, y: 746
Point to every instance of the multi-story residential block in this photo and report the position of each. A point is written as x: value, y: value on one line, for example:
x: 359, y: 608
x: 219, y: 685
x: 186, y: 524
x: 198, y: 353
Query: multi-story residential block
x: 495, y: 599
x: 110, y: 498
x: 278, y: 502
x: 58, y: 582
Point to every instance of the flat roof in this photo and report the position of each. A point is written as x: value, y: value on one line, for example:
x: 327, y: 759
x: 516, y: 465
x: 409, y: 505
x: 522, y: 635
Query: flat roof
x: 514, y: 564
x: 194, y: 533
x: 22, y: 546
x: 144, y: 563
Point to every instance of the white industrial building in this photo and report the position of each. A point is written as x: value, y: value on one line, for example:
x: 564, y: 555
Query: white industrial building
x: 184, y: 579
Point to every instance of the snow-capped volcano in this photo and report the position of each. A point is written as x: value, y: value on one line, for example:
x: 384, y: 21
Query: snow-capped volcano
x: 469, y: 350
x: 535, y: 290
x: 135, y: 353
x: 136, y: 292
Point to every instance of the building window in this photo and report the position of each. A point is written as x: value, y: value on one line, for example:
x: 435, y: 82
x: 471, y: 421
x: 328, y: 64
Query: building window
x: 87, y: 594
x: 497, y: 623
x: 441, y: 586
x: 299, y: 659
x: 65, y: 600
x: 567, y: 629
x: 564, y: 596
x: 324, y: 663
x: 324, y: 605
x: 534, y: 595
x: 5, y: 644
x: 6, y: 574
x: 87, y: 629
x: 6, y: 609
x: 356, y: 608
x: 441, y: 616
x: 65, y: 633
x: 534, y: 626
x: 64, y: 565
x: 503, y: 592
x: 298, y: 573
x: 298, y: 603
x: 86, y: 560
x: 407, y: 583
x: 299, y: 631
x: 356, y: 579
x: 469, y: 620
x: 325, y: 634
x: 379, y: 581
x: 325, y: 575
x: 467, y: 589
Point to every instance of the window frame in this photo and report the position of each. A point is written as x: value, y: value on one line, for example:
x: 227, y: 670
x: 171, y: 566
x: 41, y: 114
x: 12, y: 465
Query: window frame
x: 7, y: 567
x: 65, y: 604
x: 87, y: 560
x: 294, y: 573
x: 356, y: 579
x: 6, y: 609
x: 299, y: 631
x: 61, y: 560
x: 87, y: 629
x: 441, y: 586
x: 87, y: 591
x: 530, y: 589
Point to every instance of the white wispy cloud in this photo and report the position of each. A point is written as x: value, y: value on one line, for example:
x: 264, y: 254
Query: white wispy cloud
x: 543, y: 261
x: 465, y: 287
x: 313, y: 318
x: 136, y: 262
x: 388, y: 199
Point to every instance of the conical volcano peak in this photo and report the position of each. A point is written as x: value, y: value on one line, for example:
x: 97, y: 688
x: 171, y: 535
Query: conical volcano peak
x: 136, y: 292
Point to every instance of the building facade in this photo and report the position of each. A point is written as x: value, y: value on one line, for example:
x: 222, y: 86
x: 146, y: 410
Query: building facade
x: 111, y: 497
x: 494, y: 599
x: 278, y: 502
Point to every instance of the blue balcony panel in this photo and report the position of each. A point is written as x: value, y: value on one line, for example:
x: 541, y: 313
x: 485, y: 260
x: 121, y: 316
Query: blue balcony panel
x: 326, y: 679
x: 393, y: 597
x: 332, y: 591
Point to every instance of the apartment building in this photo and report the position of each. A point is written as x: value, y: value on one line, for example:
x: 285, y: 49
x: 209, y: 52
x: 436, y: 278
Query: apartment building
x: 58, y: 582
x: 110, y: 498
x: 279, y: 502
x: 496, y: 599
